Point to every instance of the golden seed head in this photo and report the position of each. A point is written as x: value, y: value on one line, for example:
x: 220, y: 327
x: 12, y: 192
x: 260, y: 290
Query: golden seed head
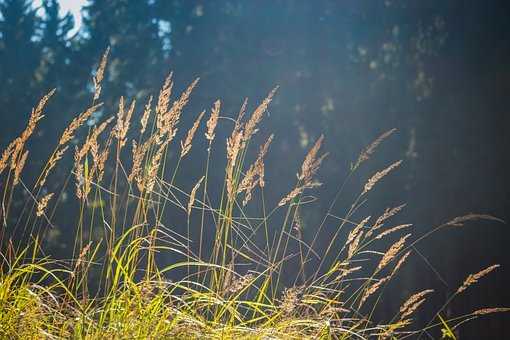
x: 413, y: 302
x: 98, y: 78
x: 41, y: 205
x: 146, y: 115
x: 473, y: 278
x: 392, y: 252
x: 256, y: 117
x: 193, y: 194
x: 186, y: 145
x: 378, y: 176
x: 370, y: 149
x: 255, y: 173
x: 373, y: 289
x: 213, y: 121
x: 19, y: 167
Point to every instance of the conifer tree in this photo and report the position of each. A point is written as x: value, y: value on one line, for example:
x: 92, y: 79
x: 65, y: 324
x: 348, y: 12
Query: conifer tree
x: 20, y: 56
x: 56, y: 46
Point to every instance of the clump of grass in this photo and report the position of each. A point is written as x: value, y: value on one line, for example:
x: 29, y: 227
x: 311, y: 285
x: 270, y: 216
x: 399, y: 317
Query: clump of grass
x: 232, y: 285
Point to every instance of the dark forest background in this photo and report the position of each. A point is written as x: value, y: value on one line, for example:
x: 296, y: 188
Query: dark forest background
x: 438, y: 71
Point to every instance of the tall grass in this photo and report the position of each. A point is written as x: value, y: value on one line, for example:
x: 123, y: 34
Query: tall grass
x: 238, y: 276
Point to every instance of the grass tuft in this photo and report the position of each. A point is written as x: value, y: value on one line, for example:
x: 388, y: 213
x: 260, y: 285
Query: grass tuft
x: 231, y: 275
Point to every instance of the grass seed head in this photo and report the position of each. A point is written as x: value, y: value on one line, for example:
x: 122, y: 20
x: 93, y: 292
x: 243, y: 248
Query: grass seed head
x: 392, y: 252
x: 473, y: 278
x: 370, y: 149
x: 186, y: 145
x: 193, y: 194
x: 43, y: 203
x: 378, y: 176
x: 213, y: 121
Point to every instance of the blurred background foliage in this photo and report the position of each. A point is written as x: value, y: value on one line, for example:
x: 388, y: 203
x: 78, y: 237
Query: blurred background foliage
x: 436, y: 70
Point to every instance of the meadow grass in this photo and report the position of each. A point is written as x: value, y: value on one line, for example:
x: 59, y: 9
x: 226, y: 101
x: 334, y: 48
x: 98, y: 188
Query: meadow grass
x: 232, y: 269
